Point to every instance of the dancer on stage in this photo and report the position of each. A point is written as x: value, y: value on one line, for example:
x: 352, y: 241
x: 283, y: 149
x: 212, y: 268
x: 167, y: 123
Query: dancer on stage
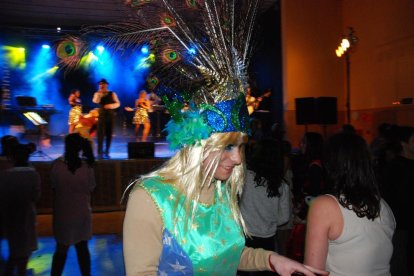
x: 108, y: 101
x: 141, y: 117
x: 76, y: 110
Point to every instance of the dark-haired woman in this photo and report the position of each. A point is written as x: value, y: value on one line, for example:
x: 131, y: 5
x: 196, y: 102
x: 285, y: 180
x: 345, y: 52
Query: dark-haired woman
x: 19, y: 191
x: 73, y: 181
x: 349, y: 230
x: 264, y: 203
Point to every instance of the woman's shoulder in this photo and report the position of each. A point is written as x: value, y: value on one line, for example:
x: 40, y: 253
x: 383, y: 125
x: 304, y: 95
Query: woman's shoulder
x: 327, y: 203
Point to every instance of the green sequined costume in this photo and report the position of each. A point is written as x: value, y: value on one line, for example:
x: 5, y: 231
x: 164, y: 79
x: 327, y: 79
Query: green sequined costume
x: 211, y: 244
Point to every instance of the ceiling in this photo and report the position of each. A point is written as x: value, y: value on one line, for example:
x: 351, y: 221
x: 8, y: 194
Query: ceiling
x: 40, y: 18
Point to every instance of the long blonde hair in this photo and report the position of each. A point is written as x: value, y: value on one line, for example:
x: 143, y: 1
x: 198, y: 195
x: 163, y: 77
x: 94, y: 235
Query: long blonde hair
x: 185, y: 171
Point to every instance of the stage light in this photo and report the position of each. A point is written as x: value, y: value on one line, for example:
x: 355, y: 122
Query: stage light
x: 145, y: 49
x: 45, y: 46
x: 58, y: 29
x: 192, y: 51
x: 15, y: 56
x: 100, y: 49
x: 88, y: 59
x: 344, y: 49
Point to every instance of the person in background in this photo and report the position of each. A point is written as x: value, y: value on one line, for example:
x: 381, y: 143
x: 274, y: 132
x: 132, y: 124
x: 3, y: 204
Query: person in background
x: 76, y: 109
x: 308, y: 182
x: 108, y: 101
x: 153, y: 114
x: 19, y: 192
x: 350, y: 229
x: 264, y: 203
x: 8, y: 142
x: 142, y: 105
x: 397, y: 181
x: 73, y: 180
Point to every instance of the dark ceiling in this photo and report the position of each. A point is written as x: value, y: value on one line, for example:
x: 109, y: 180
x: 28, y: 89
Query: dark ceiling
x: 40, y: 18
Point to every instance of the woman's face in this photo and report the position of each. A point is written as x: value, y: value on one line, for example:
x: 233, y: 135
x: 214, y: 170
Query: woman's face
x: 229, y: 159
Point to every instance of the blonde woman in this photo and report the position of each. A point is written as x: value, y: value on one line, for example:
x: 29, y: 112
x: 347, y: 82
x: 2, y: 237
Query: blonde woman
x: 76, y: 109
x: 184, y: 217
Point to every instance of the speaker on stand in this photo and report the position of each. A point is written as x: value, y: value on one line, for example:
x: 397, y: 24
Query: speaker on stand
x: 322, y: 111
x: 138, y: 150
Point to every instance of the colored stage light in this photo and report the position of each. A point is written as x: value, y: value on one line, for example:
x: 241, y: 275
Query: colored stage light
x: 88, y: 59
x: 145, y: 49
x: 192, y: 51
x: 100, y: 49
x: 45, y: 46
x: 15, y: 56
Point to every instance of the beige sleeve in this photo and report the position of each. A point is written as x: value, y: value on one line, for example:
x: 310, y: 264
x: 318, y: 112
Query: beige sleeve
x: 254, y: 259
x: 142, y: 235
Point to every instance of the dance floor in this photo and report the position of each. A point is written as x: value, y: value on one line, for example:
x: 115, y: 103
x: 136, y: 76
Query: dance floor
x: 105, y: 250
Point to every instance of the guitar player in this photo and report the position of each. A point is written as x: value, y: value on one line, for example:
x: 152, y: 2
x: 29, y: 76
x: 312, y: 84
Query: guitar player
x: 253, y: 103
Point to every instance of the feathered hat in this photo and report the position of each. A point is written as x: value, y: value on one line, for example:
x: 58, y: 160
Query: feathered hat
x: 200, y: 54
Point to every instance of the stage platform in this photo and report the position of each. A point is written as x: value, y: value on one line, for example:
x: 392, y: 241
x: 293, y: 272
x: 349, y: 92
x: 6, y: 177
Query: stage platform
x: 112, y: 175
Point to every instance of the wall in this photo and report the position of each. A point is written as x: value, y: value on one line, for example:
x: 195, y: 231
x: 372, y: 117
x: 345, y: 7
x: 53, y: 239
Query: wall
x: 381, y: 68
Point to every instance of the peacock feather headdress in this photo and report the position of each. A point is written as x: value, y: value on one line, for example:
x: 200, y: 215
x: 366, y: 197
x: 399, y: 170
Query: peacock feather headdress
x: 201, y: 51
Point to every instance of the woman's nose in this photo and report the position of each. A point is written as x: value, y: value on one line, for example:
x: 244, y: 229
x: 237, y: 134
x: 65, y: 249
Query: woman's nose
x: 236, y: 156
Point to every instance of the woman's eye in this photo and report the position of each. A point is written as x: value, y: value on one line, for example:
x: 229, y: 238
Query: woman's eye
x: 229, y: 147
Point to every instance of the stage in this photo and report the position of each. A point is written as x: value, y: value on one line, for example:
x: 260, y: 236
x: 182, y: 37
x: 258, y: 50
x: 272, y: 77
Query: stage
x: 112, y: 175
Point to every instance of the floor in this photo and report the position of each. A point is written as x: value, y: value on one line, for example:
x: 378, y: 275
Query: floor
x: 105, y: 250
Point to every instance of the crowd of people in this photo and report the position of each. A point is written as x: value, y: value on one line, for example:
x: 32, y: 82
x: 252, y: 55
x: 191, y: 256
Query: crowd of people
x: 336, y: 195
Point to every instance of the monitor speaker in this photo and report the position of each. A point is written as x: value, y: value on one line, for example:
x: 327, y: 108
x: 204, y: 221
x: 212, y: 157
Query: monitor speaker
x: 137, y: 150
x: 327, y: 110
x: 305, y: 111
x: 322, y: 110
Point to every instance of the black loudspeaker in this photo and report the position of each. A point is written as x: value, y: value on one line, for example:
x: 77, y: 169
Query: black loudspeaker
x: 327, y: 110
x: 305, y: 111
x: 137, y: 150
x: 26, y: 101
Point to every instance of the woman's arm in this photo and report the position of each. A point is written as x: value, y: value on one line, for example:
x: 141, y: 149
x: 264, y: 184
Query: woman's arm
x: 260, y: 259
x: 142, y: 234
x: 320, y: 220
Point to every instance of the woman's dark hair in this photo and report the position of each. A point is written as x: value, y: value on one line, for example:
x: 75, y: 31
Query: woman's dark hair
x: 351, y: 175
x: 20, y: 154
x: 74, y: 144
x: 265, y: 159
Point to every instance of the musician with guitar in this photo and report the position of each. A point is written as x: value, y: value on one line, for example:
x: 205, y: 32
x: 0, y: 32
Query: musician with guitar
x: 141, y: 117
x: 253, y: 103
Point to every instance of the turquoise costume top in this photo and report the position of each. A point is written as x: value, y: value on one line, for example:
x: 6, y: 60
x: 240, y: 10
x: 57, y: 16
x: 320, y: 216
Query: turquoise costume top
x: 211, y: 243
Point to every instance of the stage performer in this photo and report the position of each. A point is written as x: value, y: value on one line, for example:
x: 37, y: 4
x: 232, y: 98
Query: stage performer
x: 141, y: 117
x: 76, y: 110
x: 108, y: 102
x: 87, y: 124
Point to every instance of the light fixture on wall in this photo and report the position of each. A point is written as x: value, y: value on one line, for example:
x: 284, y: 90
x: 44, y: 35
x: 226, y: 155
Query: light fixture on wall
x: 347, y: 43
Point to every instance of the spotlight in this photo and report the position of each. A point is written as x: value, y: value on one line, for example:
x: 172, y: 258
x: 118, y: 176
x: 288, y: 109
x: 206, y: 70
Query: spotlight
x: 100, y: 49
x: 58, y: 29
x: 145, y: 49
x: 344, y: 49
x: 45, y: 46
x: 192, y: 51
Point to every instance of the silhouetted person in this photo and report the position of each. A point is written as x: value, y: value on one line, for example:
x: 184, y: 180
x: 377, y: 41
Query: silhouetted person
x: 19, y: 191
x: 397, y: 181
x: 73, y: 181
